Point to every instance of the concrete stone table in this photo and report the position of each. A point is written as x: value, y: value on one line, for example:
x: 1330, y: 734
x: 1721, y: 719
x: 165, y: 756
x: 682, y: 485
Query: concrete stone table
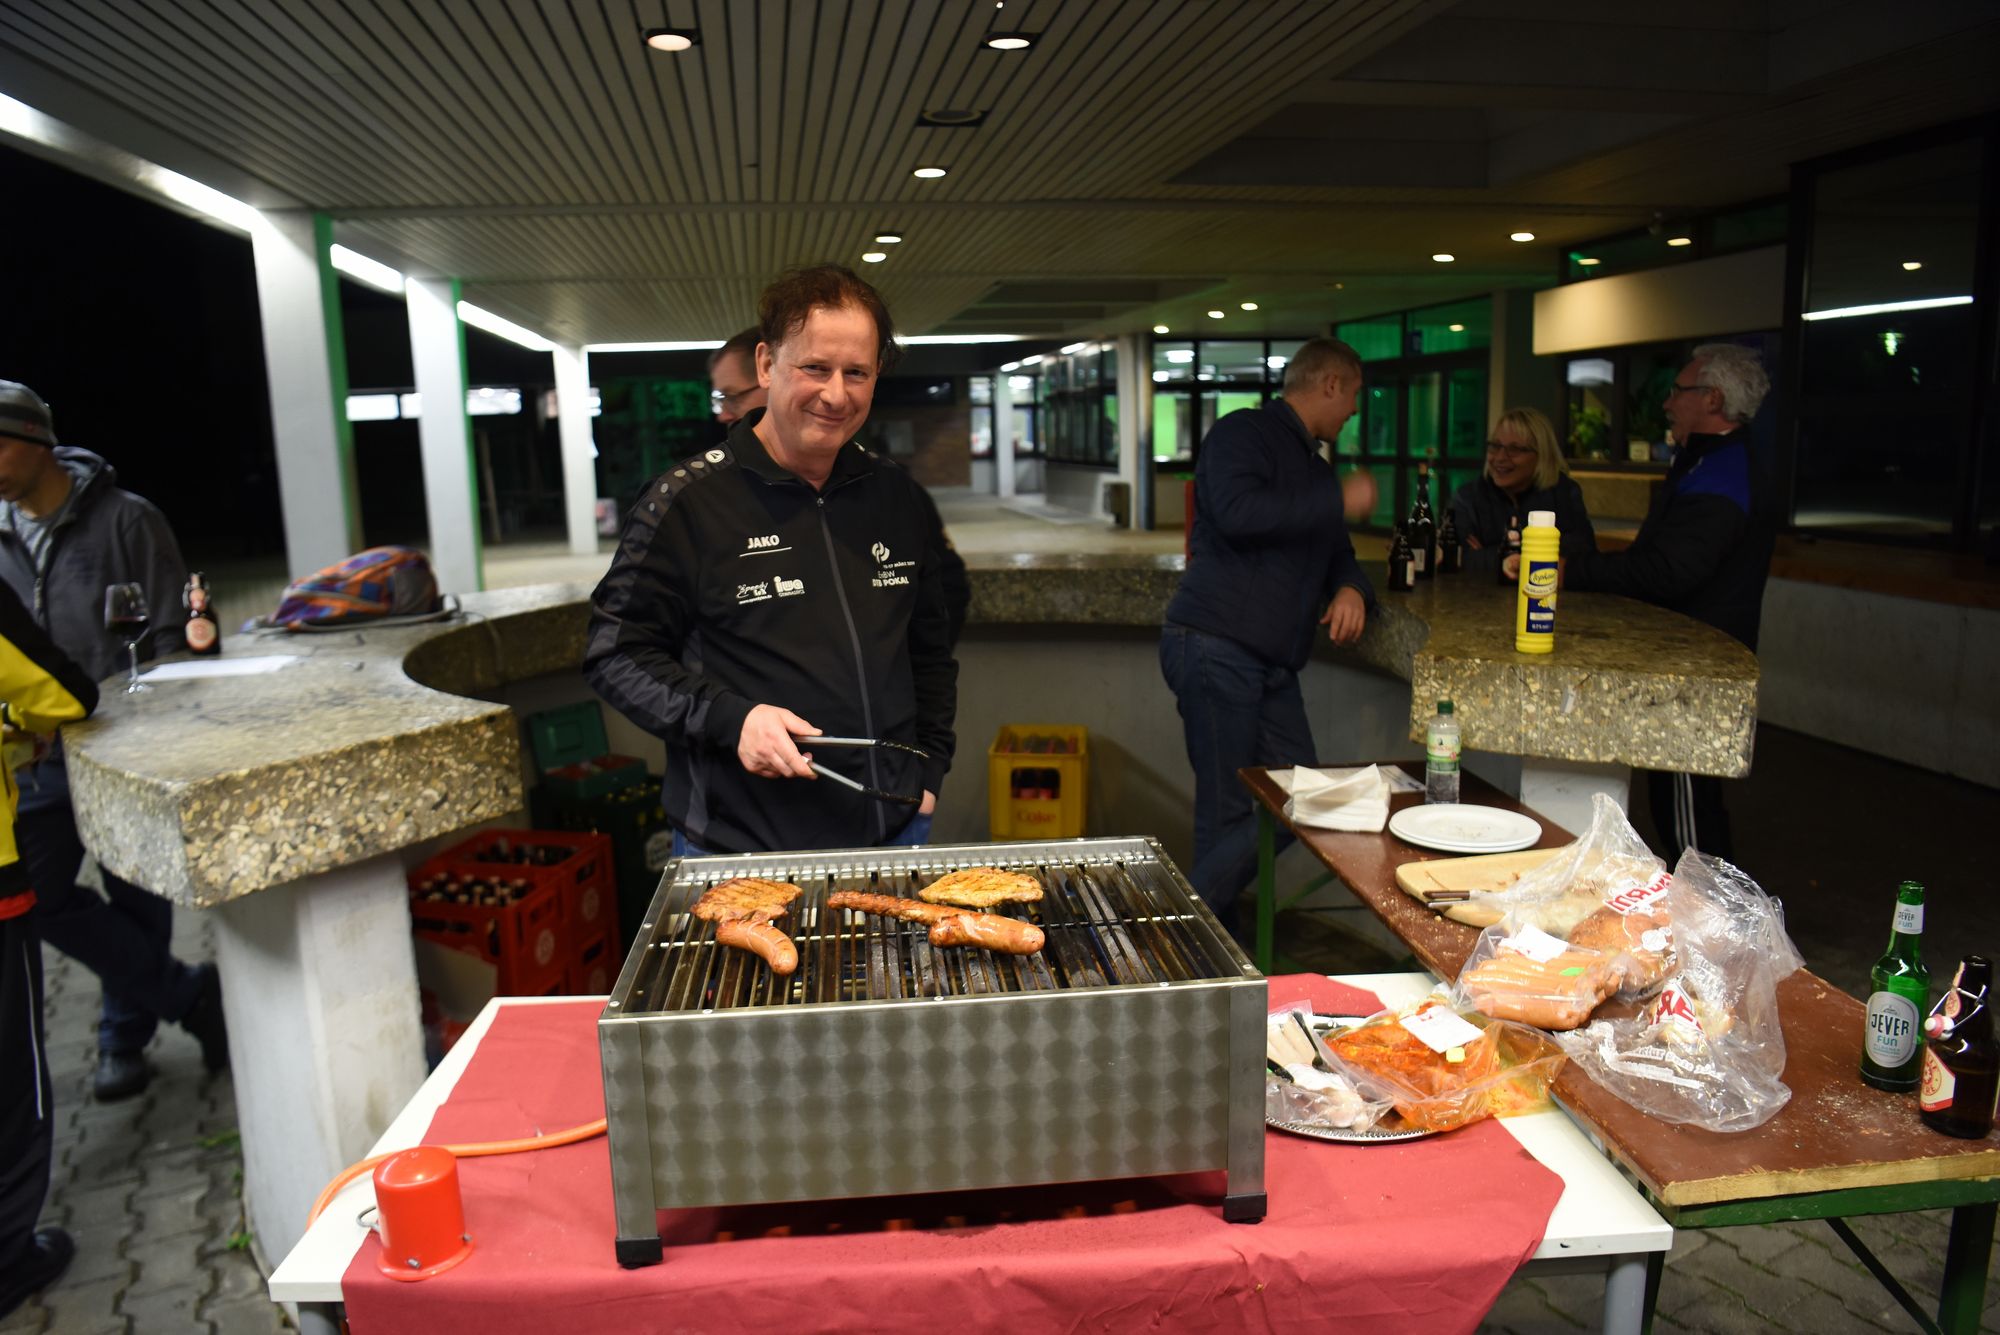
x: 1630, y: 685
x: 283, y: 802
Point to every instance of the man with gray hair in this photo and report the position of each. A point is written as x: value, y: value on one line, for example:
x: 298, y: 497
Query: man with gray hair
x: 1269, y: 559
x: 1703, y: 550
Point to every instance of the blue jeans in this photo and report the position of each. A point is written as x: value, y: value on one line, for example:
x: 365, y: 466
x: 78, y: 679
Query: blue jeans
x: 124, y: 935
x: 1237, y: 711
x: 913, y: 835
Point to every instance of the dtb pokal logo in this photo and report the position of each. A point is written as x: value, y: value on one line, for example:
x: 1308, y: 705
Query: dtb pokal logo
x: 880, y: 553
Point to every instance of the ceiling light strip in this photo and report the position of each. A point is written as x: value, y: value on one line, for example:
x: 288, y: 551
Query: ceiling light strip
x: 480, y: 318
x: 1886, y: 307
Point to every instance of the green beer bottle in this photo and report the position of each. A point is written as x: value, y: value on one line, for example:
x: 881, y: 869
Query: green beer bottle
x: 1898, y: 998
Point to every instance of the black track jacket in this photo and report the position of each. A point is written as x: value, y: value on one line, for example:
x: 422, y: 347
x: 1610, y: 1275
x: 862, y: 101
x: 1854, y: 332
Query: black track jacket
x: 736, y: 584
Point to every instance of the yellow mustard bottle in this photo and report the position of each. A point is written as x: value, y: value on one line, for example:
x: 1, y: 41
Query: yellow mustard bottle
x: 1535, y: 608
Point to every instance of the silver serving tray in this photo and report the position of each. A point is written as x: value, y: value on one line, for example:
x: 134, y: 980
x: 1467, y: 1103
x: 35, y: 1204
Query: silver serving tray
x: 1343, y: 1135
x: 1346, y: 1136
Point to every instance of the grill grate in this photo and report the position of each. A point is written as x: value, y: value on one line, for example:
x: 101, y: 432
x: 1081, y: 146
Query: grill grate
x: 1114, y: 912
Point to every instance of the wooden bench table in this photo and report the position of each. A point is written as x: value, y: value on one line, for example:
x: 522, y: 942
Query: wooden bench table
x: 1838, y: 1149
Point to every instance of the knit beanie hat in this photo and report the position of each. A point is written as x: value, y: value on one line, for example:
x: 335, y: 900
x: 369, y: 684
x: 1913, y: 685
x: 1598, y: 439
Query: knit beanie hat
x: 23, y: 414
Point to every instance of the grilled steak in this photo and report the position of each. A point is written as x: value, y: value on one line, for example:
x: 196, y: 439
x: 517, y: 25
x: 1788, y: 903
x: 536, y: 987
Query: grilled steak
x: 982, y: 888
x: 746, y: 899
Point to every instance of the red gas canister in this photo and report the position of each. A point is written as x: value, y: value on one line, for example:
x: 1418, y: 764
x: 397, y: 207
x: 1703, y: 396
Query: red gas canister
x: 421, y: 1217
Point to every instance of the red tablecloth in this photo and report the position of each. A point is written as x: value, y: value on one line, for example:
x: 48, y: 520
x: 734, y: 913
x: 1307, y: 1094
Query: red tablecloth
x: 1418, y: 1237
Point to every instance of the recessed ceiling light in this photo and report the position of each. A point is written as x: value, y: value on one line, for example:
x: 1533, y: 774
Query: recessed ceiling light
x: 1911, y: 266
x: 1680, y: 240
x: 1442, y: 258
x: 1010, y: 366
x: 1520, y: 236
x: 1588, y: 260
x: 1215, y: 315
x: 874, y: 257
x: 951, y: 118
x: 673, y: 39
x: 1159, y: 329
x: 1456, y: 328
x: 887, y: 238
x: 1010, y: 41
x: 1249, y: 305
x: 928, y: 173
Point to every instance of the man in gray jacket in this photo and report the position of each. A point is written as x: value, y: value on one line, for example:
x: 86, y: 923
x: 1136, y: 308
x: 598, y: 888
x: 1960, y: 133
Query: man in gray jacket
x: 67, y: 531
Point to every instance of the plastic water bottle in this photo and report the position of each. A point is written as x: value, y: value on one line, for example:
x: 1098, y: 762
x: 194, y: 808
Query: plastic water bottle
x: 1441, y: 756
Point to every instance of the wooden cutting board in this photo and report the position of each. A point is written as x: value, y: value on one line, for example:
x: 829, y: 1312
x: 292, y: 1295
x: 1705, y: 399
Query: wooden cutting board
x: 1491, y: 871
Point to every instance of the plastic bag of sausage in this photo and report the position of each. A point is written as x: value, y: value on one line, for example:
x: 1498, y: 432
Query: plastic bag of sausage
x: 1605, y: 894
x: 1519, y: 972
x: 1708, y: 1050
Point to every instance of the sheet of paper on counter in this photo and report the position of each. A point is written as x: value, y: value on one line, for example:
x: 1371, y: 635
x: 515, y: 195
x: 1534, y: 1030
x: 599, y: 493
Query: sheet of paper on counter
x: 194, y: 668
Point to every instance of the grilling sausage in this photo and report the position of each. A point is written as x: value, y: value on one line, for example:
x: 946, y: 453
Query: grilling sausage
x: 762, y: 940
x: 1009, y: 936
x: 892, y: 906
x: 949, y: 926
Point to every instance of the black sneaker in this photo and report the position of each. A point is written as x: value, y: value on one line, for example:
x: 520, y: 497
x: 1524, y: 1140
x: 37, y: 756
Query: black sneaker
x: 119, y: 1075
x: 48, y: 1256
x: 204, y: 1020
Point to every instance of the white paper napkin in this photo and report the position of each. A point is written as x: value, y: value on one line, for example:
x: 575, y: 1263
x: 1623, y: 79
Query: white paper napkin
x: 1336, y: 799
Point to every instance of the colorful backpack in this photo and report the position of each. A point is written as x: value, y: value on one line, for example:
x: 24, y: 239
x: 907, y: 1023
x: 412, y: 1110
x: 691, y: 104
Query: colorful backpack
x: 368, y: 586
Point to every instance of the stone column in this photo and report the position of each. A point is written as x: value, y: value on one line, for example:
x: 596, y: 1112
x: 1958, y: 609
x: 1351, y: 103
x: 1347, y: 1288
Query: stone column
x: 320, y: 989
x: 579, y: 452
x: 305, y: 366
x: 451, y: 502
x: 1135, y: 426
x: 1003, y: 436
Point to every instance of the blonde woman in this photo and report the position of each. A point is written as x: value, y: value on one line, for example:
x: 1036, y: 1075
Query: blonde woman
x: 1524, y: 471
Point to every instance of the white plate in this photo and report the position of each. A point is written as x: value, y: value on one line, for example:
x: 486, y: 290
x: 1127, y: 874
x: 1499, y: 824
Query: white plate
x: 1452, y: 827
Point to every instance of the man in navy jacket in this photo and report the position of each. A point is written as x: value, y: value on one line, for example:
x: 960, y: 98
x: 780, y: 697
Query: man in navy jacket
x: 1703, y: 550
x: 1269, y: 560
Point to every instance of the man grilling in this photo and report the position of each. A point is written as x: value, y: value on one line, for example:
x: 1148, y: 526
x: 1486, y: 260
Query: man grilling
x: 785, y: 586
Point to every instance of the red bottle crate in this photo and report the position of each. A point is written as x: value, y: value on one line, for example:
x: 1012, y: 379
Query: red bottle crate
x: 592, y: 905
x: 595, y: 967
x: 526, y: 941
x: 530, y: 940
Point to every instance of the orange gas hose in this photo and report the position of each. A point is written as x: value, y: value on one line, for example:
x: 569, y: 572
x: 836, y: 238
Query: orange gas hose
x: 474, y: 1151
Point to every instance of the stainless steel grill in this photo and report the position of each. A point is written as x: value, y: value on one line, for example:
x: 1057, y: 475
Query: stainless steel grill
x: 1109, y: 920
x: 1131, y: 1045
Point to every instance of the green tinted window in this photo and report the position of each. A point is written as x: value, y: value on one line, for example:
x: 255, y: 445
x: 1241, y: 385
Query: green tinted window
x: 1455, y: 328
x: 1465, y: 432
x: 1376, y: 340
x: 1426, y: 392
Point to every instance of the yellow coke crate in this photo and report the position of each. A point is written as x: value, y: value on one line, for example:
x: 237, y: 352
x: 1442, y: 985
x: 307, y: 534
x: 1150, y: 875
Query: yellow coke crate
x: 1038, y: 781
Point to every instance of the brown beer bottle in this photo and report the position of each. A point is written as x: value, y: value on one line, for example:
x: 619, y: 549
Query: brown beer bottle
x: 202, y: 631
x: 1961, y: 1064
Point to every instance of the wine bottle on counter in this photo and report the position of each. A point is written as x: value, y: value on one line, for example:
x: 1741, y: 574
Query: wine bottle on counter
x: 1402, y: 562
x: 203, y: 632
x: 1451, y: 558
x: 1899, y: 995
x: 1511, y: 546
x: 1961, y: 1065
x: 1423, y: 525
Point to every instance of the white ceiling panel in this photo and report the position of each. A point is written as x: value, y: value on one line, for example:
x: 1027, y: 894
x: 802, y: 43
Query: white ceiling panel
x: 597, y: 191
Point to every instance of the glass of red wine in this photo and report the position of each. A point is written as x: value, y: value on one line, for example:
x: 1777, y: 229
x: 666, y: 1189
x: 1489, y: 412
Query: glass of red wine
x: 126, y: 616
